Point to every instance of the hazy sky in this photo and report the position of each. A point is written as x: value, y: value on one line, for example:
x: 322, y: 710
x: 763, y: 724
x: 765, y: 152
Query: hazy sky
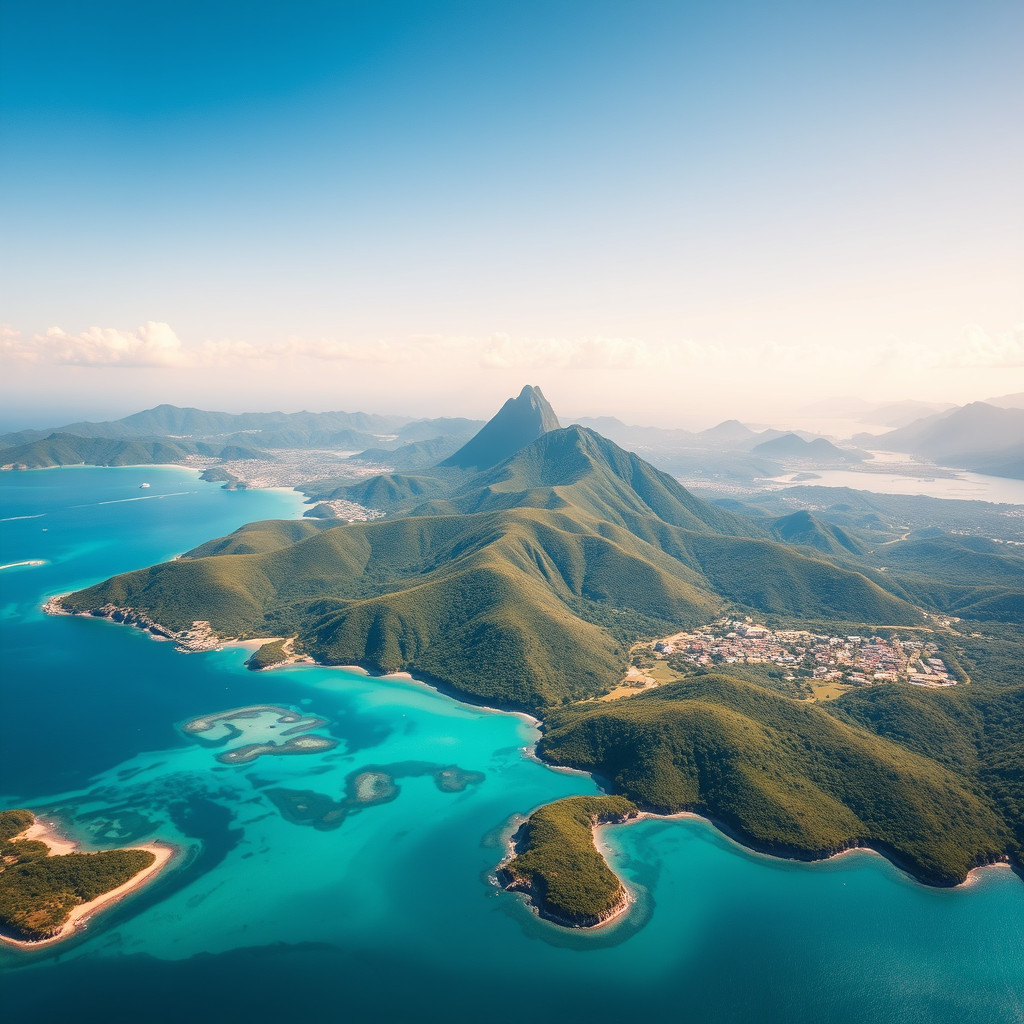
x: 668, y: 211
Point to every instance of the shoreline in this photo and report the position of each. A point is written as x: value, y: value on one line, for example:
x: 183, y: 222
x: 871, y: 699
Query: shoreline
x: 533, y: 899
x: 748, y: 847
x: 437, y: 687
x: 46, y: 831
x: 208, y: 642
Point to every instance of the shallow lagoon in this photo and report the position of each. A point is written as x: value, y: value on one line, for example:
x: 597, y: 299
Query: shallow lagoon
x: 392, y: 915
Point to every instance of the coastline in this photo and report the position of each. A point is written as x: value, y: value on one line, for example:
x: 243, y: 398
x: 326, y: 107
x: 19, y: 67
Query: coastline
x: 748, y: 846
x: 201, y: 637
x: 534, y: 899
x: 438, y: 687
x: 79, y: 916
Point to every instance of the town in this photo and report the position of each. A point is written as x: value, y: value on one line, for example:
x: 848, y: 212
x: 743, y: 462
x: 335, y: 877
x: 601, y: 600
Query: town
x: 844, y: 660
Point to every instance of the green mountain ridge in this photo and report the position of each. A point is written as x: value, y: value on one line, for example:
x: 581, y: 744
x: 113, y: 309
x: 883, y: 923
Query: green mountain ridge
x: 789, y: 777
x: 70, y: 450
x: 515, y: 589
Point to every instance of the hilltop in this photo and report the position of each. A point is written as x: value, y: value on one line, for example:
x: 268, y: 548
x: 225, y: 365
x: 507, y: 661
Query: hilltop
x: 519, y: 421
x: 819, y: 451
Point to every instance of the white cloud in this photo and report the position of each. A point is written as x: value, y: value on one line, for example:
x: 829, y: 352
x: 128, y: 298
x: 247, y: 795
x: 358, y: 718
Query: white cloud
x: 156, y: 345
x: 642, y: 378
x: 998, y: 350
x: 151, y: 345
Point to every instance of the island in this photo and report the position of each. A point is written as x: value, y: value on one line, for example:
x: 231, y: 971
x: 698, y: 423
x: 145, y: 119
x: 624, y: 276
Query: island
x: 296, y: 721
x: 49, y: 889
x: 554, y: 860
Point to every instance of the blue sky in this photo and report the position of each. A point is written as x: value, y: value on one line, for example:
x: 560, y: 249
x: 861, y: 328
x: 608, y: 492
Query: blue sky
x: 665, y: 211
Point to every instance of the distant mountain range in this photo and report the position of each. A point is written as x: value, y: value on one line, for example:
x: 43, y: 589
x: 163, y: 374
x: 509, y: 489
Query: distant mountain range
x: 168, y: 434
x: 819, y: 451
x: 885, y: 414
x: 980, y: 437
x: 1015, y: 401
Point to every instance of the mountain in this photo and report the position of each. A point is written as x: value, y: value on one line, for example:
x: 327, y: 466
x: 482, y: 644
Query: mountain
x: 728, y: 432
x: 71, y: 450
x: 576, y: 468
x: 791, y: 446
x: 526, y: 584
x: 1014, y: 401
x: 888, y: 414
x: 646, y: 438
x: 414, y: 455
x: 900, y: 414
x: 806, y: 530
x: 523, y: 584
x: 519, y: 421
x: 443, y: 426
x: 979, y: 436
x: 789, y: 777
x: 196, y: 424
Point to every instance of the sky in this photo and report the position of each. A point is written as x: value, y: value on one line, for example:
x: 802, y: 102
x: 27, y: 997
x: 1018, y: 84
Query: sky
x: 670, y: 212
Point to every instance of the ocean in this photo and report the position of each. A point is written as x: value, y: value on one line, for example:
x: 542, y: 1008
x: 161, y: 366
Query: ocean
x: 355, y: 882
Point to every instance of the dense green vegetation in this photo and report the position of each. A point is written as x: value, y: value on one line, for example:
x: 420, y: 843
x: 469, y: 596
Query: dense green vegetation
x: 388, y: 491
x: 71, y: 450
x: 524, y: 588
x: 38, y: 892
x: 804, y: 529
x: 268, y: 655
x: 957, y: 558
x: 790, y: 777
x: 976, y: 731
x: 557, y: 863
x: 13, y: 823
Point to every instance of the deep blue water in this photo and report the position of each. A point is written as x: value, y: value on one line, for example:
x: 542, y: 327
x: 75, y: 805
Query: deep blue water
x: 392, y: 915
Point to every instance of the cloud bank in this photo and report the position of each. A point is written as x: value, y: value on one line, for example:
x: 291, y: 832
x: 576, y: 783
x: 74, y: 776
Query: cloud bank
x: 669, y: 383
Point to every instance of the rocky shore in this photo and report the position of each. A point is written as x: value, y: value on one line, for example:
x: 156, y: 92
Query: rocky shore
x: 200, y: 636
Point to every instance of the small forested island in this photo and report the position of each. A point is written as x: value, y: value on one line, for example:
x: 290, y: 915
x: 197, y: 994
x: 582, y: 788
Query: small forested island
x: 46, y: 894
x: 524, y: 570
x: 554, y: 860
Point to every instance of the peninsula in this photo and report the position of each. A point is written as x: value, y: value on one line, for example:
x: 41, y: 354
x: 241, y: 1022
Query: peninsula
x: 48, y: 889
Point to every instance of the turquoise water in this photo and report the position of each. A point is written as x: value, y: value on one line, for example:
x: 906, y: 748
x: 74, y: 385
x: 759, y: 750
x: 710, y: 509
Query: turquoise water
x: 392, y: 914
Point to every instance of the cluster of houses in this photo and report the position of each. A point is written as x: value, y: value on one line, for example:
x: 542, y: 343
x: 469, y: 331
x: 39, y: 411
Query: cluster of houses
x: 851, y: 660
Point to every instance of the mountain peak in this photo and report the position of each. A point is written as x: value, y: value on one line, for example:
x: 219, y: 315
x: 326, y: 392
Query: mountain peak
x: 728, y: 430
x: 533, y: 398
x: 518, y: 422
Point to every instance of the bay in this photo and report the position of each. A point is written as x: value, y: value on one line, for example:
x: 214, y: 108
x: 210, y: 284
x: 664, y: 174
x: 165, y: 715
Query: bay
x: 388, y: 911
